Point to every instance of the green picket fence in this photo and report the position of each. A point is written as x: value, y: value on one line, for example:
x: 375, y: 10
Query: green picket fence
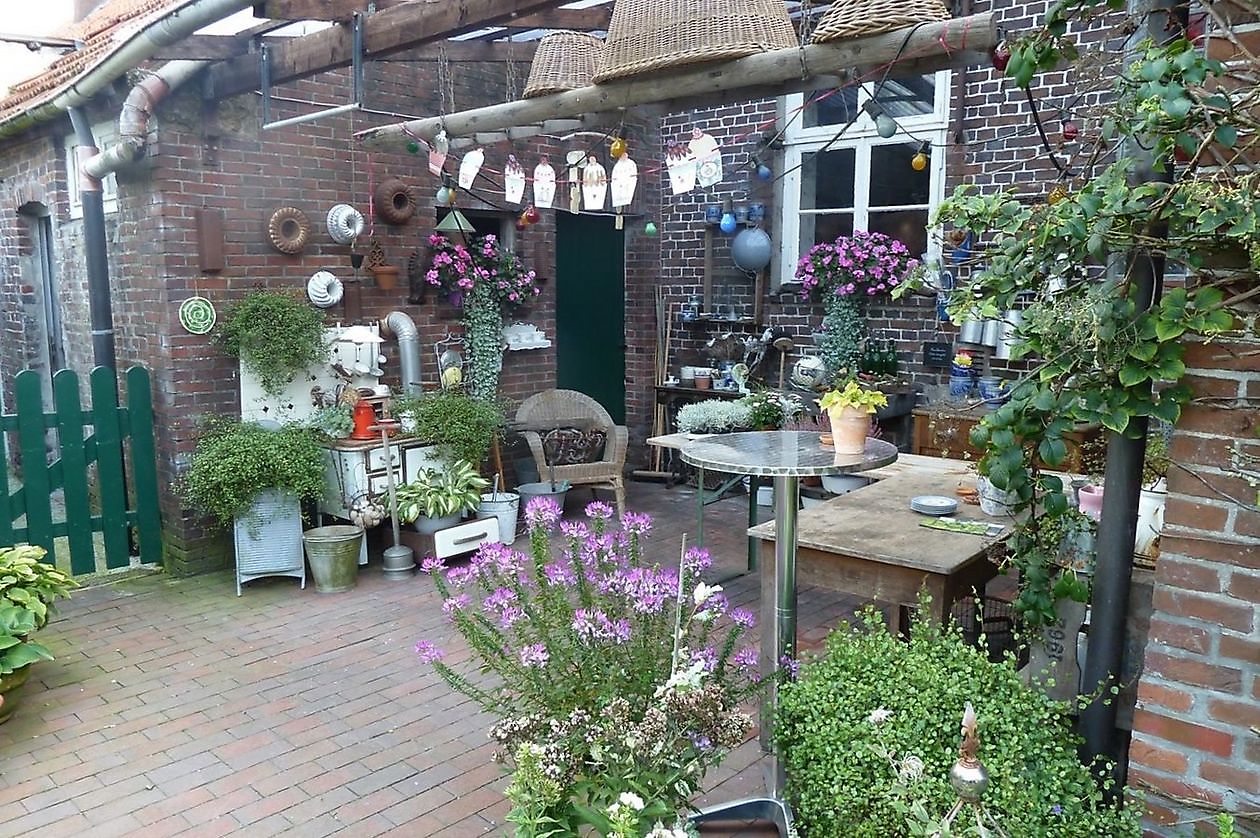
x: 128, y: 495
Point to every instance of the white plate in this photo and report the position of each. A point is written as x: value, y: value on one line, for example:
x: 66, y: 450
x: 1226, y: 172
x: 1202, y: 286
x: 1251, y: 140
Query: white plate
x: 934, y: 505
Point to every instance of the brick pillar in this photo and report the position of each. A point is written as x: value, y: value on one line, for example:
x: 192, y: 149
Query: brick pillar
x: 1195, y: 747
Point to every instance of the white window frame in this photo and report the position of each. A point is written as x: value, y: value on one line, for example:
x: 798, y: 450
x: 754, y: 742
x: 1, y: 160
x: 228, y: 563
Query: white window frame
x: 862, y: 137
x: 105, y: 134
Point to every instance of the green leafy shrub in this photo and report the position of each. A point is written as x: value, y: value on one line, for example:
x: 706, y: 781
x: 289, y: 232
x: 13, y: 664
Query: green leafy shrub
x: 461, y: 426
x: 276, y: 334
x: 837, y: 748
x: 235, y: 461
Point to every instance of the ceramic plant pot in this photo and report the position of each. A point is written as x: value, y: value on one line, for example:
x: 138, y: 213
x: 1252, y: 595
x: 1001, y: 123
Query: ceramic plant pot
x: 386, y: 277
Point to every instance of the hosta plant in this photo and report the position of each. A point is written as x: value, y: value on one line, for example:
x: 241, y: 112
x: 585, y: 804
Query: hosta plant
x: 439, y: 493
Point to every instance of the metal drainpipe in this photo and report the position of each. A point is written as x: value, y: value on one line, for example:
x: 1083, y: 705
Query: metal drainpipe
x: 1109, y: 601
x: 93, y: 199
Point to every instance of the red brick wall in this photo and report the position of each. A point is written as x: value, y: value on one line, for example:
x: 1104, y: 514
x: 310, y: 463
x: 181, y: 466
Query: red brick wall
x: 1195, y: 730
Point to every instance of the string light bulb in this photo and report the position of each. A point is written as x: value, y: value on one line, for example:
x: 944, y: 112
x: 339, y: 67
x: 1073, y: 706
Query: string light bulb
x: 532, y: 215
x: 445, y: 196
x: 618, y: 148
x: 885, y: 126
x: 649, y: 229
x: 413, y: 147
x: 727, y: 223
x: 1070, y: 129
x: 919, y: 161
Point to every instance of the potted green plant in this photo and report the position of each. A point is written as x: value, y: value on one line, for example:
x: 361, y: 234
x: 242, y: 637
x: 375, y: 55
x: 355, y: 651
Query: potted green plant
x: 28, y: 588
x: 769, y: 410
x: 254, y: 479
x: 438, y: 498
x: 850, y: 408
x: 461, y: 426
x: 713, y: 416
x: 276, y: 335
x: 334, y: 422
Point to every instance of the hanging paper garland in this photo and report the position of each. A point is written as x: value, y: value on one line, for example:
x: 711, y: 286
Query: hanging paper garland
x: 437, y: 153
x: 594, y: 185
x: 544, y: 185
x: 513, y: 181
x: 625, y: 177
x: 469, y: 167
x: 708, y: 158
x: 197, y: 315
x: 682, y: 168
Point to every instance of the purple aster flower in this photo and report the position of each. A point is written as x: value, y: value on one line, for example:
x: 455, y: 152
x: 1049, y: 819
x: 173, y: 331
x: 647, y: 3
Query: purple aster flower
x: 745, y: 658
x: 534, y: 655
x: 743, y: 618
x: 455, y: 603
x: 639, y: 523
x: 427, y: 652
x: 599, y: 510
x: 542, y: 512
x: 432, y: 564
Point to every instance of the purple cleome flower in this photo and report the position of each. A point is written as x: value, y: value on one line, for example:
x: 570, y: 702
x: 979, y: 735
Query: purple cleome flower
x: 427, y: 652
x: 432, y: 564
x: 460, y: 576
x: 697, y: 559
x: 509, y: 616
x: 534, y: 655
x: 560, y: 574
x: 456, y: 603
x: 743, y: 618
x: 574, y: 529
x: 542, y: 512
x: 745, y: 658
x: 638, y: 523
x: 707, y: 656
x: 790, y: 665
x: 599, y: 510
x: 500, y: 599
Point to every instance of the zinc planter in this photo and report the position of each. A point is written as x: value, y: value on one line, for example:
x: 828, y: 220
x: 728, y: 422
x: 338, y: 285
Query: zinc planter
x: 269, y: 539
x: 428, y: 526
x: 556, y: 491
x: 333, y: 552
x: 504, y: 506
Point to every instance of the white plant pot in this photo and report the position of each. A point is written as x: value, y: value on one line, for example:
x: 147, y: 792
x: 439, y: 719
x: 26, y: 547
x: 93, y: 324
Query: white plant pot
x: 994, y: 501
x: 1150, y: 523
x: 842, y: 484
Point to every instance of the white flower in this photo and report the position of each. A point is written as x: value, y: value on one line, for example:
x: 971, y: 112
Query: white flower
x: 911, y: 770
x: 683, y: 680
x: 702, y: 592
x: 632, y: 800
x: 659, y: 830
x: 879, y: 715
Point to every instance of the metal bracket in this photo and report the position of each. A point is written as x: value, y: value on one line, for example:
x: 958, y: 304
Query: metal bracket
x: 356, y: 83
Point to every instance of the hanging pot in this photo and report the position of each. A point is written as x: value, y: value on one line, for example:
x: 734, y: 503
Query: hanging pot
x: 972, y: 331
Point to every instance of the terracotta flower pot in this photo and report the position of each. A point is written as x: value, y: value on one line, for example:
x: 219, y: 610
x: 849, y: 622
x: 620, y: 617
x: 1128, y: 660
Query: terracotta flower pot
x: 386, y: 277
x: 848, y: 429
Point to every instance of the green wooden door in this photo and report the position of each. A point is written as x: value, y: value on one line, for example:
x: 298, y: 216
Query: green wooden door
x: 591, y: 310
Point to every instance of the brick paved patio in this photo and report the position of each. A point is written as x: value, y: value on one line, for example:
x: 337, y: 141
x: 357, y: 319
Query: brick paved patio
x: 175, y: 707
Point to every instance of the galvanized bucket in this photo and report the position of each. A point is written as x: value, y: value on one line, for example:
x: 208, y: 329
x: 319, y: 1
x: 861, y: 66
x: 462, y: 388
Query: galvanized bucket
x: 333, y: 552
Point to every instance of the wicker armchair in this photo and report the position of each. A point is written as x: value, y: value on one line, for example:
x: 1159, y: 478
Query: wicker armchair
x: 568, y: 408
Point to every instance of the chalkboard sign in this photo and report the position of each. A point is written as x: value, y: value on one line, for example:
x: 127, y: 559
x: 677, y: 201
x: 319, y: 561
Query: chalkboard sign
x: 936, y: 354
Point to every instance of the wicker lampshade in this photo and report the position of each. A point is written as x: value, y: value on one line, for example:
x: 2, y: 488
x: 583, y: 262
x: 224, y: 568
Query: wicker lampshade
x: 563, y: 61
x: 854, y: 18
x: 651, y: 35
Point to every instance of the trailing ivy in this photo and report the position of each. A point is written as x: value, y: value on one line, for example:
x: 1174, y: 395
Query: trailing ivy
x: 277, y: 335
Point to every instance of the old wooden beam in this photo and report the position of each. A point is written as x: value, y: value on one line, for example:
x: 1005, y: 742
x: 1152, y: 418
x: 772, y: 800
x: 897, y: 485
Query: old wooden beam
x: 384, y: 32
x: 467, y: 52
x: 318, y: 9
x: 958, y: 42
x: 203, y: 48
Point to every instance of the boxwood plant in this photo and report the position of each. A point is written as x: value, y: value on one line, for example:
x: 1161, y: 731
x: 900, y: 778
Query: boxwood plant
x: 872, y: 725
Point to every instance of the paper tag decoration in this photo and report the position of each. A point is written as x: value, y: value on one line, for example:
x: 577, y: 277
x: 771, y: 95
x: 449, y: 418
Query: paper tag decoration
x: 682, y: 168
x: 576, y: 160
x: 513, y: 180
x: 469, y: 167
x: 594, y: 185
x: 625, y: 177
x: 544, y: 185
x: 437, y: 152
x: 708, y: 158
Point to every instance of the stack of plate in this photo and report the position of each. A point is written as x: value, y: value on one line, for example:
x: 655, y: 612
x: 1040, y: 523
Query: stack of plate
x: 934, y: 505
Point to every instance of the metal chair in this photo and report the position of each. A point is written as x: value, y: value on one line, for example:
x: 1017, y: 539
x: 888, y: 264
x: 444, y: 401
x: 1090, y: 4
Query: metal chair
x: 568, y: 408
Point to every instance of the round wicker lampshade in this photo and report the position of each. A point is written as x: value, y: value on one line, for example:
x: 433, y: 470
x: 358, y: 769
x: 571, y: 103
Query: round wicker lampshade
x: 563, y: 61
x: 855, y: 18
x: 651, y: 35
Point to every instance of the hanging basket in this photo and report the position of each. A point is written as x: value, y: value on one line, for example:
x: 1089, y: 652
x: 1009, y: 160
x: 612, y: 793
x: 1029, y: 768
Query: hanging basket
x: 652, y: 35
x: 855, y: 18
x: 563, y: 61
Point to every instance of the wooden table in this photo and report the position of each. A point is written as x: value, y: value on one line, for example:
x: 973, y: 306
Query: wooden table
x: 869, y: 543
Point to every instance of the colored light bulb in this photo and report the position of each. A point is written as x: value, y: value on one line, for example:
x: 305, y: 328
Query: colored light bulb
x: 444, y: 196
x: 764, y: 172
x: 1001, y: 56
x: 885, y: 126
x: 1070, y: 130
x: 532, y: 215
x: 919, y: 162
x: 618, y: 148
x: 649, y: 229
x: 413, y: 147
x: 727, y: 224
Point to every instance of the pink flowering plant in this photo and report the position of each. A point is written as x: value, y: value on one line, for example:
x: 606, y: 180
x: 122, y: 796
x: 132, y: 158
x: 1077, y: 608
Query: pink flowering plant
x: 617, y: 681
x: 457, y: 270
x: 845, y: 274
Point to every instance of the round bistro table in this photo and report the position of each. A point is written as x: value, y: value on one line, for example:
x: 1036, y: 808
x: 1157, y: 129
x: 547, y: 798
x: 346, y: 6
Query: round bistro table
x: 785, y: 456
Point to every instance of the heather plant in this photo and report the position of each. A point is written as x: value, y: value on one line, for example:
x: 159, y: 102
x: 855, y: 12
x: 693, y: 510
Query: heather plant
x: 617, y: 682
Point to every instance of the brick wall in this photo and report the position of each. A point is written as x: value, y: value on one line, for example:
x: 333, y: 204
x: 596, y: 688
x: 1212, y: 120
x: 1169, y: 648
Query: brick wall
x: 1195, y: 744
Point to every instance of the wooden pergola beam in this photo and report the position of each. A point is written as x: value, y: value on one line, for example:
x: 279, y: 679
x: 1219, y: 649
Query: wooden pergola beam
x: 930, y: 46
x: 596, y: 17
x: 467, y: 52
x: 384, y: 32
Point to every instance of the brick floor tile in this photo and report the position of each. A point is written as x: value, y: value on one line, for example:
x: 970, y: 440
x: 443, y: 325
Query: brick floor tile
x: 271, y: 804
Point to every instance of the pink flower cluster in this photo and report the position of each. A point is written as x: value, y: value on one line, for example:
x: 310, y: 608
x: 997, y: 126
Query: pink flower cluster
x: 864, y: 264
x: 456, y: 269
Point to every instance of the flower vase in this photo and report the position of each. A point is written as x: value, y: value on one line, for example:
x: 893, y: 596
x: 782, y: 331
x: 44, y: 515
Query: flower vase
x: 848, y: 429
